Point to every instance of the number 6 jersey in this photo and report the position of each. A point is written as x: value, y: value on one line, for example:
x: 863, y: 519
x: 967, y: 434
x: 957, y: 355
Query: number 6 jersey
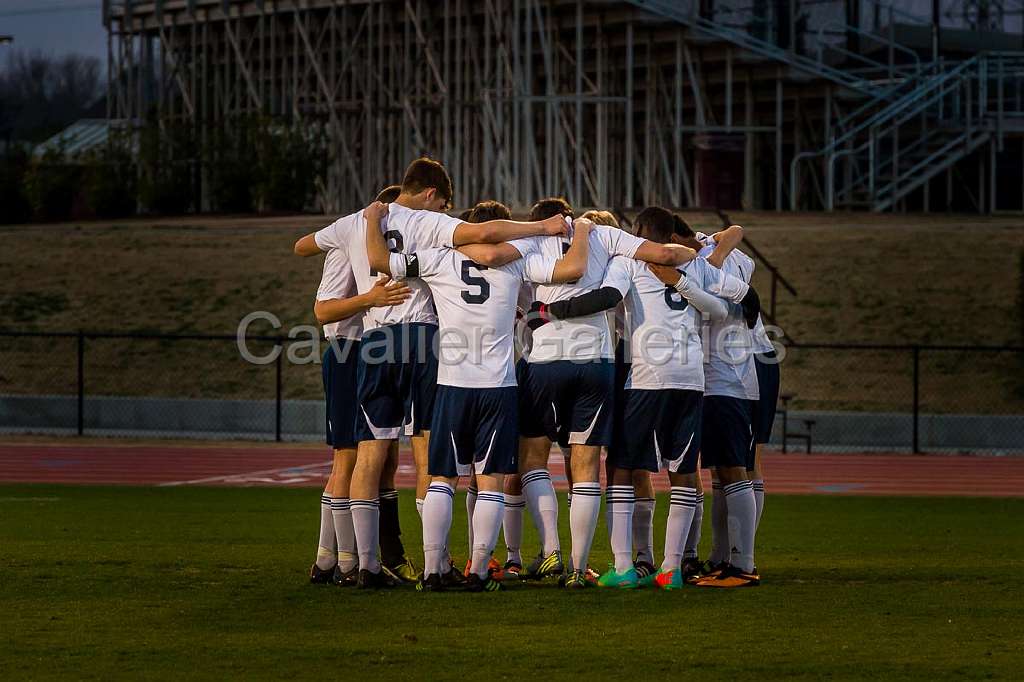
x: 476, y: 307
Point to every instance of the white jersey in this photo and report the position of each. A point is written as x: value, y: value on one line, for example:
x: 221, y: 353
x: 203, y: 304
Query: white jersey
x: 409, y: 231
x: 339, y: 282
x: 344, y: 240
x: 588, y: 337
x: 662, y: 329
x: 729, y: 364
x: 739, y: 264
x: 477, y: 309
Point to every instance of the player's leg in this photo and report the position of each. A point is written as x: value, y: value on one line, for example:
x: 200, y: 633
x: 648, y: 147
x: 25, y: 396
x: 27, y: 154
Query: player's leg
x: 392, y: 551
x: 769, y: 384
x: 348, y: 559
x: 643, y: 522
x: 538, y: 429
x: 512, y: 523
x: 730, y: 450
x: 691, y: 552
x: 378, y: 422
x: 437, y: 521
x: 590, y: 416
x: 322, y: 570
x: 420, y: 447
x: 619, y: 504
x: 471, y: 495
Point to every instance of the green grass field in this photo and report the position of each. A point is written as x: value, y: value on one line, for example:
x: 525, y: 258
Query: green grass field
x: 194, y: 582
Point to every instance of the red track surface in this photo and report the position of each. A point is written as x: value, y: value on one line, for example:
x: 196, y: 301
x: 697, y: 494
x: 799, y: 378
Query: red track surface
x: 260, y: 464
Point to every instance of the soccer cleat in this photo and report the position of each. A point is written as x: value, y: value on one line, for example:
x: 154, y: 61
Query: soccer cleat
x: 497, y: 572
x: 576, y: 581
x: 513, y: 569
x: 591, y: 576
x: 645, y: 573
x: 669, y: 580
x: 730, y: 576
x: 452, y: 577
x: 404, y: 572
x: 691, y: 567
x: 345, y: 578
x: 475, y: 583
x: 432, y: 583
x: 707, y: 570
x: 320, y: 576
x: 627, y: 580
x: 374, y: 581
x: 544, y: 566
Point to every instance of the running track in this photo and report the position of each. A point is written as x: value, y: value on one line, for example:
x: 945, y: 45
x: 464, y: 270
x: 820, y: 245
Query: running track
x: 295, y: 465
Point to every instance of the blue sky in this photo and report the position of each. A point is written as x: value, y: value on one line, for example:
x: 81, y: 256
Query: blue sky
x: 54, y: 26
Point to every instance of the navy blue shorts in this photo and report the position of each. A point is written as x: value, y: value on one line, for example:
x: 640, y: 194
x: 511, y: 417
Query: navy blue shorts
x: 397, y: 380
x: 726, y: 438
x: 474, y: 430
x: 768, y: 382
x: 571, y: 402
x: 660, y: 428
x: 339, y: 368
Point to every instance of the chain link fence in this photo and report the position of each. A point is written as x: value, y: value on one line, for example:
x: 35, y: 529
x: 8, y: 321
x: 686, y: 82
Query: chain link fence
x: 835, y: 397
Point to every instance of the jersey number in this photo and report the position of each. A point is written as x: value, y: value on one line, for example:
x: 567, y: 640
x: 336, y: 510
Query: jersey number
x: 472, y: 280
x: 670, y: 299
x: 391, y: 236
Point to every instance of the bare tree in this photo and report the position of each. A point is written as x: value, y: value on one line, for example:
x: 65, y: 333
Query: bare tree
x: 41, y: 94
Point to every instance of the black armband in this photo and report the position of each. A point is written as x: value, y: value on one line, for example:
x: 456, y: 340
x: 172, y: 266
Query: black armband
x: 751, y: 304
x: 585, y: 304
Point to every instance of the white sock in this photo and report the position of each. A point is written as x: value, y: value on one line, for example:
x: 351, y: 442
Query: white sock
x: 345, y: 533
x: 758, y: 485
x: 366, y: 522
x: 693, y: 536
x: 643, y: 529
x: 568, y: 500
x: 618, y: 514
x: 583, y: 521
x: 719, y: 526
x: 490, y: 508
x: 470, y: 504
x: 327, y: 549
x: 419, y: 507
x: 513, y: 525
x: 543, y: 506
x: 739, y: 498
x: 437, y: 520
x: 682, y: 502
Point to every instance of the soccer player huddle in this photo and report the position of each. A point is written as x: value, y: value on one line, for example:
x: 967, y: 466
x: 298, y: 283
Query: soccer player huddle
x: 486, y: 340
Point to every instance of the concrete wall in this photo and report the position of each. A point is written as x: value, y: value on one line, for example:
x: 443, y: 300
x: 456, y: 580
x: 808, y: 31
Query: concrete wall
x: 304, y: 420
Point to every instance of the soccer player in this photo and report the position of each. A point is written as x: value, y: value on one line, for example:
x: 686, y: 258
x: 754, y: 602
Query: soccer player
x: 727, y: 437
x: 568, y: 391
x: 475, y: 420
x: 398, y: 372
x: 662, y: 397
x: 340, y: 309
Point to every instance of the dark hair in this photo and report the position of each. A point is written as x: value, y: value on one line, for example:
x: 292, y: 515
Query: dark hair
x: 389, y: 194
x: 464, y: 215
x: 424, y: 173
x: 655, y: 223
x: 545, y: 208
x: 681, y: 227
x: 489, y: 210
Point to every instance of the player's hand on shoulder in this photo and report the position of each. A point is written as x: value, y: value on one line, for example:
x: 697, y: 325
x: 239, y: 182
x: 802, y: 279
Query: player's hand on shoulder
x: 386, y: 293
x: 583, y: 225
x: 376, y: 210
x: 555, y: 226
x: 666, y: 273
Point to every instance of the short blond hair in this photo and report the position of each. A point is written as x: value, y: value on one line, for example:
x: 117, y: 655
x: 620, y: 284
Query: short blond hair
x: 601, y: 218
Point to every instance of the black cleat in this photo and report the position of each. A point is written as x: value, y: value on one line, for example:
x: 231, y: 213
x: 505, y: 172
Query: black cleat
x: 320, y: 576
x: 475, y: 583
x: 644, y: 569
x: 432, y: 583
x: 453, y: 577
x: 374, y: 581
x: 691, y: 567
x: 345, y: 578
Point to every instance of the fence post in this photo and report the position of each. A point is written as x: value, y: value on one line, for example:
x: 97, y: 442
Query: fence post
x: 277, y: 406
x: 81, y: 382
x: 917, y: 394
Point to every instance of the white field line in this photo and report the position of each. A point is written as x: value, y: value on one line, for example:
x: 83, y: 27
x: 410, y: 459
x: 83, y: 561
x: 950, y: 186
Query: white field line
x: 263, y: 472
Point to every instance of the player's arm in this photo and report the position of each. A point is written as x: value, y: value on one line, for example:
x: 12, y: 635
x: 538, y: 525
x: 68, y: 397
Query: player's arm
x: 707, y: 303
x: 383, y: 293
x: 725, y: 241
x: 495, y: 231
x: 573, y: 265
x: 376, y: 249
x: 307, y: 246
x: 491, y: 255
x: 664, y: 254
